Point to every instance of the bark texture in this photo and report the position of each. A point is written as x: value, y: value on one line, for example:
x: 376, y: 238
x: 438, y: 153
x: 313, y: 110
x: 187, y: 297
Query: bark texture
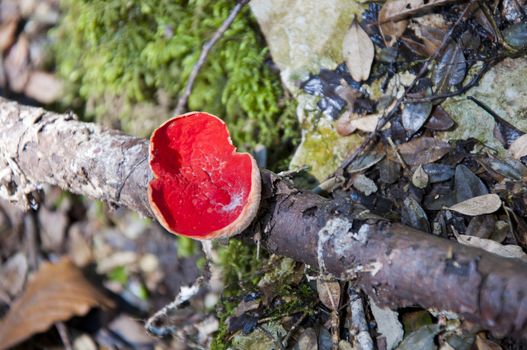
x: 396, y: 265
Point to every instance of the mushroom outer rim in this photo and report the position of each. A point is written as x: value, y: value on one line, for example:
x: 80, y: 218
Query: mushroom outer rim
x: 248, y: 212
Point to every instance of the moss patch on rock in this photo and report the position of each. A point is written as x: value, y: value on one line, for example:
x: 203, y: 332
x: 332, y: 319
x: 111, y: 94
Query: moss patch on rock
x: 128, y: 61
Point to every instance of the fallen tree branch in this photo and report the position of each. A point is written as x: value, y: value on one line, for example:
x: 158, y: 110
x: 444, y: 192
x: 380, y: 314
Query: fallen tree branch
x: 396, y: 265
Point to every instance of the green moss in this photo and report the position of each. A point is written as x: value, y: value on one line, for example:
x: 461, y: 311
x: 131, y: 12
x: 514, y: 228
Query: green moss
x: 118, y: 54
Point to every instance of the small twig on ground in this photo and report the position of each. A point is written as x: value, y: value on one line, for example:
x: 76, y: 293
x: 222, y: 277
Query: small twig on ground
x: 424, y: 69
x: 63, y: 333
x: 160, y: 324
x: 285, y: 340
x: 397, y: 154
x: 473, y: 82
x: 205, y: 50
x: 358, y: 321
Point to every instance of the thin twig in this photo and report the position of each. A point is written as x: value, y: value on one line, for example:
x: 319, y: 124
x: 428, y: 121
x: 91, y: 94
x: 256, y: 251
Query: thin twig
x: 473, y: 82
x: 205, y: 50
x: 63, y: 333
x: 359, y: 324
x: 285, y: 340
x: 424, y: 69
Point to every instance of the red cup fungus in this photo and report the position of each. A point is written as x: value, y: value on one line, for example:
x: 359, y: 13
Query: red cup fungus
x: 202, y: 188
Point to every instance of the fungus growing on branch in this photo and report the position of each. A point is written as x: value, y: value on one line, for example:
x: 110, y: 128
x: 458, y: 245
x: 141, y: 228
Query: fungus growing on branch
x: 201, y: 188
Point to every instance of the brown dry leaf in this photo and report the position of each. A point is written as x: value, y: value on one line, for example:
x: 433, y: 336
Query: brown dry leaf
x: 391, y: 30
x: 367, y: 123
x: 486, y: 204
x: 56, y: 293
x: 432, y: 38
x: 439, y: 120
x: 408, y: 8
x: 485, y: 344
x: 344, y: 126
x: 518, y: 148
x: 329, y: 293
x: 507, y: 251
x: 7, y: 35
x: 43, y: 87
x: 358, y: 51
x: 16, y: 64
x: 423, y: 150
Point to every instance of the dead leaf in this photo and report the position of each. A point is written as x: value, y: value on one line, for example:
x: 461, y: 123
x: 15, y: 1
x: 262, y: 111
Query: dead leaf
x: 480, y: 205
x: 507, y: 251
x: 423, y: 150
x: 329, y: 293
x: 56, y: 293
x: 16, y: 64
x: 366, y: 161
x: 438, y: 172
x: 43, y: 87
x: 467, y: 185
x: 391, y: 30
x: 414, y: 216
x: 408, y: 8
x: 358, y: 51
x: 481, y: 226
x: 439, y: 120
x: 518, y: 148
x: 420, y: 177
x: 516, y: 35
x: 432, y: 38
x: 7, y: 35
x: 349, y: 123
x: 344, y: 126
x: 485, y: 344
x: 415, y: 115
x: 451, y: 68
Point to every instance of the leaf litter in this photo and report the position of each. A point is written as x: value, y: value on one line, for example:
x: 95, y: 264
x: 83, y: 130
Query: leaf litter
x: 56, y: 293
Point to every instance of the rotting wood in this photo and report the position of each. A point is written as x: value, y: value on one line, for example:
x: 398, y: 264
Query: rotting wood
x: 396, y: 265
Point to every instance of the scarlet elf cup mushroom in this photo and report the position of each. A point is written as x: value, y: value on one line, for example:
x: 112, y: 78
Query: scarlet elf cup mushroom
x: 202, y: 188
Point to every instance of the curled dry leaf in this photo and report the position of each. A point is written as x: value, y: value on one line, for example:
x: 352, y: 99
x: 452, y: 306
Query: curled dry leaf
x: 348, y: 124
x: 358, y: 51
x: 391, y: 30
x: 518, y: 148
x: 507, y: 251
x: 56, y: 293
x: 480, y: 205
x: 423, y: 150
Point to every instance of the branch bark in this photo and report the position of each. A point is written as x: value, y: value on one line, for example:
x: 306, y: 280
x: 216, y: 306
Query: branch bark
x: 396, y: 265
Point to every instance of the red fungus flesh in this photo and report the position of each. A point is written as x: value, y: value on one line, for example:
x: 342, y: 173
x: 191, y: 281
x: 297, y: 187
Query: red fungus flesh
x: 201, y: 188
